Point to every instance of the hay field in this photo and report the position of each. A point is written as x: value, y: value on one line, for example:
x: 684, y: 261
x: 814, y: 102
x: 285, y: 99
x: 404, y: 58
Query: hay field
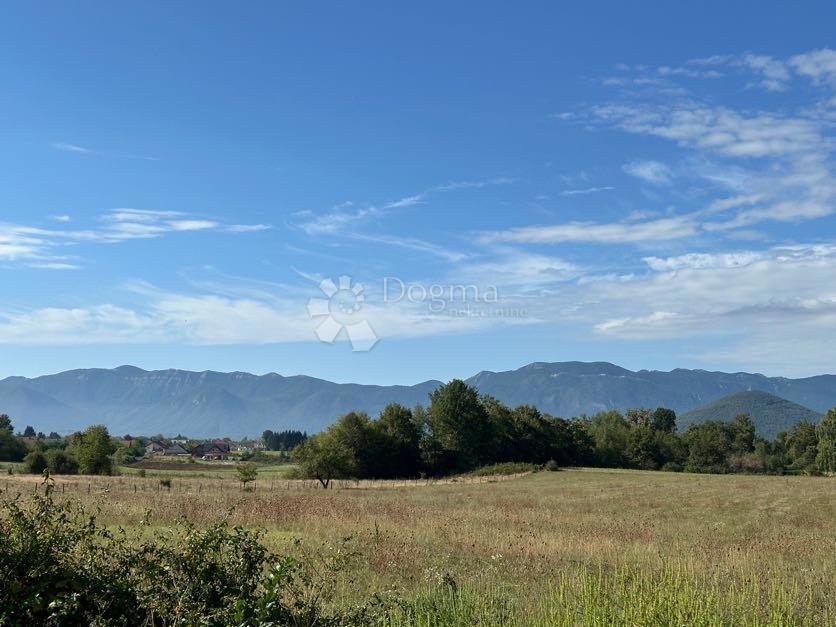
x: 546, y: 548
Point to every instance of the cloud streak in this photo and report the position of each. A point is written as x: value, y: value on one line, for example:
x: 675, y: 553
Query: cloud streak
x: 36, y: 246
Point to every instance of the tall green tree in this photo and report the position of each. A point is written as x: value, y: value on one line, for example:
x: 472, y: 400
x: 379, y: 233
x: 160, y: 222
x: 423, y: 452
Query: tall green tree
x: 5, y: 423
x: 800, y: 446
x: 324, y: 458
x: 663, y: 420
x: 460, y: 424
x: 92, y: 449
x: 709, y: 444
x: 401, y: 436
x: 743, y: 433
x: 826, y: 432
x: 611, y: 434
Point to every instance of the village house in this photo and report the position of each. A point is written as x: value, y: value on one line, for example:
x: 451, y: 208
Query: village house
x: 216, y: 449
x: 247, y: 446
x: 166, y: 450
x: 176, y: 450
x: 155, y: 448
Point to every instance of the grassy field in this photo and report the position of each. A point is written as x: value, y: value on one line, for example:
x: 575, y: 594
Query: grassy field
x: 573, y: 547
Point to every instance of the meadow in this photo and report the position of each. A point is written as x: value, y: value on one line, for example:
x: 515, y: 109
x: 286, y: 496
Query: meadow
x: 589, y: 546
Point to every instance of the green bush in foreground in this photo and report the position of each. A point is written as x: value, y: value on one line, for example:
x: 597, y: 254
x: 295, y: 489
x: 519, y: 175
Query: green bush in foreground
x: 59, y: 566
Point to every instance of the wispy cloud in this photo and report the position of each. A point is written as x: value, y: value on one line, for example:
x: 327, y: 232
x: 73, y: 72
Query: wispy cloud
x: 413, y: 244
x: 774, y: 74
x: 336, y: 219
x: 36, y: 246
x: 602, y: 233
x: 346, y: 216
x: 586, y: 190
x: 75, y: 148
x: 652, y: 172
x: 65, y: 147
x: 817, y: 65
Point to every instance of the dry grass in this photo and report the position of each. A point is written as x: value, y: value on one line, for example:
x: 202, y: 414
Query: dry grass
x: 520, y: 534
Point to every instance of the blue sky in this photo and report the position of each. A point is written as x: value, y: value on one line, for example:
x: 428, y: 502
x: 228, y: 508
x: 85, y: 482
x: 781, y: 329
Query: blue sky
x: 649, y: 185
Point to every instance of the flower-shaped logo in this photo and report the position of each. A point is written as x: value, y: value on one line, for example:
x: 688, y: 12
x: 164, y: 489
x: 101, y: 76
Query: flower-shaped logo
x: 340, y: 311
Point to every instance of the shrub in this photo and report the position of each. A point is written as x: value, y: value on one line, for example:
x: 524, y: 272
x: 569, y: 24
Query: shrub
x: 12, y: 449
x: 246, y: 473
x: 551, y: 466
x: 60, y: 462
x: 34, y: 462
x: 60, y: 566
x: 671, y: 467
x: 507, y: 468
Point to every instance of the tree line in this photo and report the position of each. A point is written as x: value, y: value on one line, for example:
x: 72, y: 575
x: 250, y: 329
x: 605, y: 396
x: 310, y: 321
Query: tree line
x: 283, y: 440
x: 88, y: 452
x: 460, y: 431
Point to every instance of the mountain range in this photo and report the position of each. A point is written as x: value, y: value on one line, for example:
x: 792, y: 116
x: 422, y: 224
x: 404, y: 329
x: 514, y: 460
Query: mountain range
x: 204, y: 404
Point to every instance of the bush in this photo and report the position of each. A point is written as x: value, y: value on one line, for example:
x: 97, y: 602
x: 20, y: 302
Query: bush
x: 507, y: 468
x: 12, y: 449
x: 60, y: 462
x: 246, y: 473
x: 551, y: 466
x: 671, y: 467
x: 60, y: 566
x: 34, y: 462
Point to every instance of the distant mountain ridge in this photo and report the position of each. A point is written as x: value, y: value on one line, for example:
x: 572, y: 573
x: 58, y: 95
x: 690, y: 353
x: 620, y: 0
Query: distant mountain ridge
x: 199, y: 404
x: 205, y: 404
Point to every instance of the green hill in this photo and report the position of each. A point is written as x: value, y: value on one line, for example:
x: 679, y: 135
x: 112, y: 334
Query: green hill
x: 771, y: 414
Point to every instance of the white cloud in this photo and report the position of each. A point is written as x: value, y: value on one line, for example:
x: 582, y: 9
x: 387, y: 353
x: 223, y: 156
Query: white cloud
x: 337, y: 219
x: 65, y: 147
x: 251, y: 313
x: 818, y: 65
x: 37, y: 246
x: 608, y: 233
x: 54, y: 265
x: 246, y: 228
x: 703, y: 260
x: 652, y: 172
x: 717, y: 129
x: 717, y: 294
x: 586, y: 190
x: 411, y: 243
x: 344, y: 216
x: 518, y: 271
x: 773, y: 73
